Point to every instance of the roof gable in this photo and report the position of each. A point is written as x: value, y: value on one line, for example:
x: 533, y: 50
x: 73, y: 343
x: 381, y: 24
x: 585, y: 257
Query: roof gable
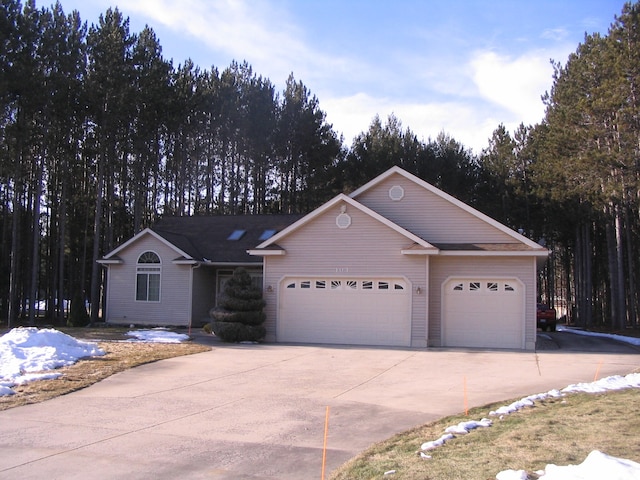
x: 443, y: 202
x: 133, y: 240
x: 341, y: 198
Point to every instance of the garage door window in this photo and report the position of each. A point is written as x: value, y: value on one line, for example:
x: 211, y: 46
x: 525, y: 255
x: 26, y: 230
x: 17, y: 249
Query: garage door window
x: 348, y: 285
x: 478, y: 286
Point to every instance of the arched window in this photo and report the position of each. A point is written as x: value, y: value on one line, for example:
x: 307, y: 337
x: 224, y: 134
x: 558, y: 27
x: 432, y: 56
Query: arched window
x: 148, y: 272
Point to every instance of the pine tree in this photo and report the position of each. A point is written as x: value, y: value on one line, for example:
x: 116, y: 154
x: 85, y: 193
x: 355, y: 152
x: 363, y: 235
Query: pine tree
x: 239, y: 316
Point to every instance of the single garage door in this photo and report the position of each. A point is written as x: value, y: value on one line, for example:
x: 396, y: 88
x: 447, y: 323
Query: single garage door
x: 369, y: 311
x: 483, y: 313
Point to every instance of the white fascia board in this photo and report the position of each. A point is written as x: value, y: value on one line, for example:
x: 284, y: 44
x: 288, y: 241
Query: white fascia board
x: 504, y: 253
x: 266, y: 253
x: 110, y: 261
x: 147, y: 231
x: 353, y: 203
x: 449, y: 198
x: 410, y: 251
x: 185, y: 261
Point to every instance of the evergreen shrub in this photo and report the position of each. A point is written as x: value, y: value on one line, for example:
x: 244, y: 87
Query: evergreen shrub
x: 239, y: 315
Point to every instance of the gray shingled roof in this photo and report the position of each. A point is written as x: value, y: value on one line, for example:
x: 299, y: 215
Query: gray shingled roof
x: 205, y: 238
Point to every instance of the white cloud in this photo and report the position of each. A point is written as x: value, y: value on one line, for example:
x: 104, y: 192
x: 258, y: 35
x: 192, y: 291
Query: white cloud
x: 258, y: 31
x: 516, y: 84
x: 353, y: 114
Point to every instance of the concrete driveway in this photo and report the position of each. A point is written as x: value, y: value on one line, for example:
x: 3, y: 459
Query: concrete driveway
x: 258, y: 411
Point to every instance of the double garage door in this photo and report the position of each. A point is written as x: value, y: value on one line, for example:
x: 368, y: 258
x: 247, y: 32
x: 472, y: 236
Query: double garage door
x: 359, y: 311
x: 485, y: 313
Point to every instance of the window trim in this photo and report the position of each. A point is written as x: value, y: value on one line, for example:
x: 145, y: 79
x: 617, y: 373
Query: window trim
x: 148, y: 269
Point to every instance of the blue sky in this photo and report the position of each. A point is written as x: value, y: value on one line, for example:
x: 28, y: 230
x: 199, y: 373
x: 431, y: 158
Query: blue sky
x: 462, y: 67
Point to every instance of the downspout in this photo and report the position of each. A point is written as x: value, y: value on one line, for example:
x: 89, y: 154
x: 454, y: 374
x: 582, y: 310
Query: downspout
x: 427, y: 291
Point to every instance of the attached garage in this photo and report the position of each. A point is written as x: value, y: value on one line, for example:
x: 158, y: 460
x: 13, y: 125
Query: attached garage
x: 363, y: 311
x: 483, y: 312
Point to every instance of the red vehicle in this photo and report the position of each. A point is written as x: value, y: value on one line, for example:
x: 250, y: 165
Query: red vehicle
x: 546, y: 317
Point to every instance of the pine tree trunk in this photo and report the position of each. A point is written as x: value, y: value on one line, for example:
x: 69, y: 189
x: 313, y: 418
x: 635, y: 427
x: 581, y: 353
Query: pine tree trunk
x: 35, y: 252
x: 97, y: 232
x: 631, y: 287
x: 619, y: 299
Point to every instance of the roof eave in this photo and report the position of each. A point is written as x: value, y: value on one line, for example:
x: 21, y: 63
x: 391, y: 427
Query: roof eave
x: 413, y: 251
x: 495, y: 253
x: 110, y: 261
x: 263, y: 252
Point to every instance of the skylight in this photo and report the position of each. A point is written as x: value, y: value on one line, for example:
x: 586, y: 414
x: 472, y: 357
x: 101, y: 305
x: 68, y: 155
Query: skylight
x: 267, y: 234
x: 236, y: 235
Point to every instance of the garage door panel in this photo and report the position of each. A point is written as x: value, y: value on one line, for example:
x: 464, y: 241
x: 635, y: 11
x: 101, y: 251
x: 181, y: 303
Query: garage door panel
x: 483, y: 313
x: 345, y: 311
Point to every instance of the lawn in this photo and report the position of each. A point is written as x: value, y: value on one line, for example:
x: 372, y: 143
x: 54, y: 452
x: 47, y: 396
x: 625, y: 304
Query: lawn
x: 558, y: 431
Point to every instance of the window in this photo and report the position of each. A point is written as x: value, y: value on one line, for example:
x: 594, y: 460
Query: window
x: 236, y: 235
x: 148, y: 277
x: 352, y: 284
x: 267, y: 234
x: 458, y: 287
x: 383, y: 285
x: 492, y: 286
x: 474, y: 286
x: 321, y: 284
x: 336, y: 284
x: 398, y: 286
x: 367, y: 285
x: 508, y: 288
x: 305, y: 284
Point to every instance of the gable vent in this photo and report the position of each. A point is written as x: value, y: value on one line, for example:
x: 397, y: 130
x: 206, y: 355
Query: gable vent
x: 343, y: 220
x: 396, y: 193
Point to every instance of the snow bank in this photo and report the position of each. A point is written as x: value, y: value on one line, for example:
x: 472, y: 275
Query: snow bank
x: 525, y: 402
x: 620, y: 338
x: 615, y: 382
x: 26, y: 352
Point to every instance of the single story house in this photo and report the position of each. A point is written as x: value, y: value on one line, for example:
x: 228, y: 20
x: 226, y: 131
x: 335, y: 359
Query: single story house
x: 397, y: 262
x: 170, y: 274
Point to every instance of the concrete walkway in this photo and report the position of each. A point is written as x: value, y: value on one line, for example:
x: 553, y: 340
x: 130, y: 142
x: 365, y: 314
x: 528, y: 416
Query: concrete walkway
x: 258, y: 411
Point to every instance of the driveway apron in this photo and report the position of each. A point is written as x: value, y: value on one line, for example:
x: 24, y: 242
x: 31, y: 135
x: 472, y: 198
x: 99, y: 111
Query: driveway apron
x: 258, y: 411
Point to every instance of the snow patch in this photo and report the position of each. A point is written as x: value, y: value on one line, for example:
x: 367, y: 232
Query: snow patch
x: 157, y: 335
x: 596, y: 466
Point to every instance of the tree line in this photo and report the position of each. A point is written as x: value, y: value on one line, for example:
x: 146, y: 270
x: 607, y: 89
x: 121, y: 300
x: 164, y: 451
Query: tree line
x: 101, y: 135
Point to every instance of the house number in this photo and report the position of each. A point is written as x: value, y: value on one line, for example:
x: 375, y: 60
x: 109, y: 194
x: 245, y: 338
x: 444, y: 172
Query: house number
x: 342, y: 269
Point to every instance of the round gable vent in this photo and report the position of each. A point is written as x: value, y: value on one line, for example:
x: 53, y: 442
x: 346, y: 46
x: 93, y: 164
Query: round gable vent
x: 343, y: 220
x: 396, y: 193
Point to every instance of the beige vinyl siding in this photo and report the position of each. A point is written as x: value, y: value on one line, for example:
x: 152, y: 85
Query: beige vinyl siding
x: 366, y: 249
x: 442, y: 268
x: 175, y: 300
x: 429, y: 215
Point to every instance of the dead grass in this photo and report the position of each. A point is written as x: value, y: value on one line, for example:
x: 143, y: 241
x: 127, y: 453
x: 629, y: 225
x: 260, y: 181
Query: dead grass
x: 120, y: 356
x: 559, y: 431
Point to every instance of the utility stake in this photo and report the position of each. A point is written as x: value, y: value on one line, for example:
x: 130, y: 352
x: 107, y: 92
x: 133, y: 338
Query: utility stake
x: 466, y: 400
x: 324, y: 448
x: 595, y: 378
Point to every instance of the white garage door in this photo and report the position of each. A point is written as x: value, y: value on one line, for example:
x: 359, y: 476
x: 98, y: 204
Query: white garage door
x: 483, y: 313
x: 371, y: 311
